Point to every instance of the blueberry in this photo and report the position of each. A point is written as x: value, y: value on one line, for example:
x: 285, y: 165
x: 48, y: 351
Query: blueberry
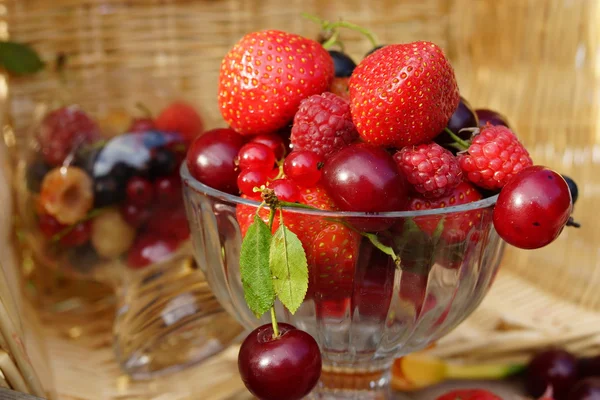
x: 108, y: 190
x: 154, y: 139
x: 162, y: 163
x: 374, y: 49
x: 344, y: 65
x: 572, y: 187
x: 35, y: 175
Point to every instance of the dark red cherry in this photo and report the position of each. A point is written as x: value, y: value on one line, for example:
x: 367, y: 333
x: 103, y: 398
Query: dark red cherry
x: 287, y: 367
x: 554, y: 367
x: 211, y: 159
x: 493, y: 117
x: 533, y: 208
x: 586, y: 389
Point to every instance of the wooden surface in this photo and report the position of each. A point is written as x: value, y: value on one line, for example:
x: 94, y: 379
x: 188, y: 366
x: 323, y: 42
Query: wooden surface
x: 534, y: 60
x: 6, y: 394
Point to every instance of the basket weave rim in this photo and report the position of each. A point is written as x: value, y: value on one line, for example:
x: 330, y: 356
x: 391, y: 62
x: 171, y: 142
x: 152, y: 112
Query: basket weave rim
x: 192, y: 183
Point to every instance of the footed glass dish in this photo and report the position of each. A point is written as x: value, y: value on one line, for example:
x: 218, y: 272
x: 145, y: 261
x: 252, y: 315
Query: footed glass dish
x: 445, y: 263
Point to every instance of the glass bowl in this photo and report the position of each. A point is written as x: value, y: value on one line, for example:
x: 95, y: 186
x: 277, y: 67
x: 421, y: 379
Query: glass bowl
x: 446, y: 261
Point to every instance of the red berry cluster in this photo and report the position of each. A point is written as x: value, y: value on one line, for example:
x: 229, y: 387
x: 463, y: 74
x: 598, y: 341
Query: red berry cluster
x: 110, y: 187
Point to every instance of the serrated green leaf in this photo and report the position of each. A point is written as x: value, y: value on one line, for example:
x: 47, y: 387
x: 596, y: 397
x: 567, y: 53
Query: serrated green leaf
x: 19, y: 58
x: 289, y: 268
x: 254, y: 268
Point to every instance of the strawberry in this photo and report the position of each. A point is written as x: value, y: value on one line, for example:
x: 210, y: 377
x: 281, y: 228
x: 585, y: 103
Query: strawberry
x: 469, y: 394
x: 266, y: 75
x: 403, y: 94
x: 456, y: 226
x: 332, y: 258
x: 182, y: 118
x: 306, y: 227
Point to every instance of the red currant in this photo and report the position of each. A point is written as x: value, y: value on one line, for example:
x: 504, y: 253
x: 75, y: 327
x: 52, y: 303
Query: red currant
x: 134, y: 215
x: 148, y: 249
x: 286, y: 190
x: 78, y: 235
x: 49, y: 225
x: 365, y: 178
x: 170, y: 223
x: 142, y: 125
x: 286, y: 367
x: 303, y: 167
x: 211, y: 159
x: 248, y: 179
x: 168, y: 190
x: 533, y: 208
x: 273, y: 141
x: 256, y: 156
x: 139, y: 191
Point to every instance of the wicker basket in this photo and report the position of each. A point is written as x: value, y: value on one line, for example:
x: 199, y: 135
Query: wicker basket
x: 534, y: 60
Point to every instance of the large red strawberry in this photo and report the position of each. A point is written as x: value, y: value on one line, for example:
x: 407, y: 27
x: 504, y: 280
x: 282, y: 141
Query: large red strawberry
x: 469, y: 394
x: 456, y: 226
x: 403, y: 94
x: 264, y: 77
x: 332, y: 258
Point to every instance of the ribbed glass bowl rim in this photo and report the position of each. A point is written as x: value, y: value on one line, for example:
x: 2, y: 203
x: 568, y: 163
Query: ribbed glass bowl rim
x: 191, y: 182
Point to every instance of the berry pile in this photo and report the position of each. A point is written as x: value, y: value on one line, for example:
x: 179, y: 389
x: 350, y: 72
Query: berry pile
x: 389, y: 134
x: 108, y: 189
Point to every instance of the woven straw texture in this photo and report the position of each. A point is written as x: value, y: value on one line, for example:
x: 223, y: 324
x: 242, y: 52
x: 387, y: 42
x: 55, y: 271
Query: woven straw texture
x: 534, y: 60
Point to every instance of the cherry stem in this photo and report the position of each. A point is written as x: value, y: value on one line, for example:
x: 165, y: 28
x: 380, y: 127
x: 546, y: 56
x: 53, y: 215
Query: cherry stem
x: 464, y: 145
x: 367, y: 33
x: 92, y: 214
x: 333, y: 40
x: 571, y: 222
x: 332, y: 27
x: 274, y: 323
x: 144, y: 109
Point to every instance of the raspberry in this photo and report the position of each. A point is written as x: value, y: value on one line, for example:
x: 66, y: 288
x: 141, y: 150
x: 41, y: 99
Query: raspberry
x: 494, y: 157
x: 323, y: 124
x: 431, y: 169
x: 63, y: 130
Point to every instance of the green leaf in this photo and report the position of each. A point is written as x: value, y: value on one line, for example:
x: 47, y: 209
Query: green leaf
x: 19, y: 59
x: 254, y: 268
x: 289, y: 268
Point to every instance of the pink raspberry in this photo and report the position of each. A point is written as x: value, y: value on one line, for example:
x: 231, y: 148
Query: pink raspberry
x: 431, y: 169
x: 63, y: 130
x: 323, y: 124
x: 494, y: 157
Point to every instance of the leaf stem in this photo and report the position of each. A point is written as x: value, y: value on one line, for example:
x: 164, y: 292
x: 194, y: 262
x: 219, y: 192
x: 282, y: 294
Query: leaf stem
x: 463, y: 144
x: 274, y: 323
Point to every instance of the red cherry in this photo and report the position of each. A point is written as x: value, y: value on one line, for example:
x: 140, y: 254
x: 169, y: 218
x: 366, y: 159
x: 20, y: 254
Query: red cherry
x: 553, y: 367
x: 49, y: 225
x: 78, y: 235
x: 148, y: 249
x: 142, y: 125
x: 286, y: 190
x: 287, y: 367
x: 211, y: 159
x: 168, y: 190
x: 303, y: 167
x: 139, y: 191
x: 134, y: 215
x: 248, y: 179
x: 365, y: 178
x: 533, y: 208
x: 256, y: 156
x: 272, y: 141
